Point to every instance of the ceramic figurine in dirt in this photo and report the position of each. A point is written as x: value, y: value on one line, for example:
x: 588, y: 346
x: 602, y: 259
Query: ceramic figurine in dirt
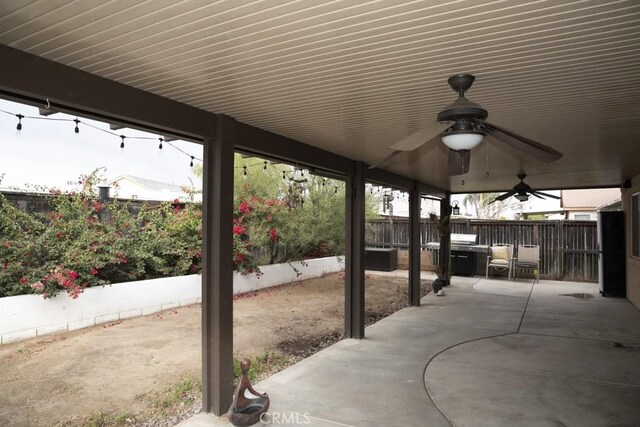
x: 246, y: 411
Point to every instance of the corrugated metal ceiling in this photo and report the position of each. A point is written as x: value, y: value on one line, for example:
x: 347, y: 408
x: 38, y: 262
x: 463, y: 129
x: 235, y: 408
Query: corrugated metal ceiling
x: 354, y: 77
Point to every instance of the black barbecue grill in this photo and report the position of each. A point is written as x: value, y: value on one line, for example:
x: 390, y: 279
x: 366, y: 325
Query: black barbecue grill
x: 464, y: 248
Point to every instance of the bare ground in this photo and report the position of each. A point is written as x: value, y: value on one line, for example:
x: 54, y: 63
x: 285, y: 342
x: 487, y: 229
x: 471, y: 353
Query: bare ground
x: 114, y: 368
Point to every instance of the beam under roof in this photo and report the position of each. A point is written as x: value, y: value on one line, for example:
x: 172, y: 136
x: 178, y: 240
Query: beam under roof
x: 34, y: 80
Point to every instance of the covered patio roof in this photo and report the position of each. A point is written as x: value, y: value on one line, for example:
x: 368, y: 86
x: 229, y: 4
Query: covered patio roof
x: 332, y: 85
x: 354, y: 77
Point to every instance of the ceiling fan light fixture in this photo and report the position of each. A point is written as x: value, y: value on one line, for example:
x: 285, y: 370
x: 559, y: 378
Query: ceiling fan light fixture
x: 522, y: 197
x: 462, y: 140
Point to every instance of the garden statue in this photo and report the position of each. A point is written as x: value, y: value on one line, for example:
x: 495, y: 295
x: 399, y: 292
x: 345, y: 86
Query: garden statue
x: 246, y: 411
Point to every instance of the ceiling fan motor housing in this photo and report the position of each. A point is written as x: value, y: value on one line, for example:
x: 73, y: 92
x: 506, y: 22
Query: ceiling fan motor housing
x: 463, y: 113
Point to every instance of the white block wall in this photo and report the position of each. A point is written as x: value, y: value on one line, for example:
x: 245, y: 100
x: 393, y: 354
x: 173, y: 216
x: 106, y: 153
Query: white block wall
x: 27, y: 316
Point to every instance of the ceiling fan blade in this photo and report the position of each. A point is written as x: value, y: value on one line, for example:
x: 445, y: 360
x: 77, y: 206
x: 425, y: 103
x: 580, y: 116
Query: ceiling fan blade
x: 413, y: 141
x: 533, y: 193
x: 526, y: 145
x: 504, y: 196
x: 552, y: 196
x: 420, y: 137
x: 459, y: 162
x: 386, y: 159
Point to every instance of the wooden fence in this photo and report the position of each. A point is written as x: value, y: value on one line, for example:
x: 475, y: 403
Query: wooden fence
x: 568, y: 249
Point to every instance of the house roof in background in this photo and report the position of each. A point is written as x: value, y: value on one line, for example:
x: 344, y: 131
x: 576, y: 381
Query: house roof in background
x: 149, y: 184
x: 589, y: 198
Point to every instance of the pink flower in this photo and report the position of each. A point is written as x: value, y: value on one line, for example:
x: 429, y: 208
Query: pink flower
x: 97, y: 206
x: 94, y: 271
x: 269, y: 218
x: 37, y: 286
x: 73, y: 275
x: 5, y: 265
x: 239, y: 230
x: 273, y: 234
x: 24, y: 280
x: 176, y: 209
x: 244, y: 208
x: 7, y: 244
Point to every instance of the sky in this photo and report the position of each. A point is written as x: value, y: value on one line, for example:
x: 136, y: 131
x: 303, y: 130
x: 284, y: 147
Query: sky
x: 50, y: 153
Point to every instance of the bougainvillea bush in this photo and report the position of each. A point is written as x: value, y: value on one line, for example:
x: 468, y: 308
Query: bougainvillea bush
x: 82, y: 242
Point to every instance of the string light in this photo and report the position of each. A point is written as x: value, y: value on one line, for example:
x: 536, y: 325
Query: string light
x: 265, y: 166
x: 191, y: 163
x: 77, y: 122
x: 284, y: 175
x: 244, y: 171
x: 336, y: 190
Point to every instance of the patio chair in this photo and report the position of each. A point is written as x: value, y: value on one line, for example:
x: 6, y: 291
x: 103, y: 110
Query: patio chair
x: 501, y: 258
x: 528, y: 259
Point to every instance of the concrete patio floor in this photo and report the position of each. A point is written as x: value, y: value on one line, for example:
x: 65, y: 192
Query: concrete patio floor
x: 488, y: 353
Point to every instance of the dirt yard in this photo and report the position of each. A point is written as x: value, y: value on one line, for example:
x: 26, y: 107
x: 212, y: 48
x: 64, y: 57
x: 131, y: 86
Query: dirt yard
x: 109, y: 369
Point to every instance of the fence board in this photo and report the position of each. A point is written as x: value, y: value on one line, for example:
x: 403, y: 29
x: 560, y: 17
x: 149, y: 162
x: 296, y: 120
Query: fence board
x: 568, y: 249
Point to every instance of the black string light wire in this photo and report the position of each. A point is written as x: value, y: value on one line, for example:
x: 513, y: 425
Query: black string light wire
x: 76, y: 129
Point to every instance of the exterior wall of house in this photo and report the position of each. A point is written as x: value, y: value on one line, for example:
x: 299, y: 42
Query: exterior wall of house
x: 633, y: 264
x: 582, y: 215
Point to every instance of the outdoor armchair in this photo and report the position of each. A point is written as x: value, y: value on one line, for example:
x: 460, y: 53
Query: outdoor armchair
x: 500, y: 258
x: 528, y: 259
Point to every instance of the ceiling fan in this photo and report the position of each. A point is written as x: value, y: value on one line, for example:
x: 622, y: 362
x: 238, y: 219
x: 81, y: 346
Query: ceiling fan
x: 522, y: 190
x: 461, y: 126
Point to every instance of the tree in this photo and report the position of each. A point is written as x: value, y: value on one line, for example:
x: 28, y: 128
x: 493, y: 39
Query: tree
x: 480, y: 205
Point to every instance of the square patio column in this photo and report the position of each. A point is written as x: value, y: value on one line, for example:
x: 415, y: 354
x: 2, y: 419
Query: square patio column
x: 445, y: 238
x: 354, y: 253
x: 415, y: 245
x: 217, y: 270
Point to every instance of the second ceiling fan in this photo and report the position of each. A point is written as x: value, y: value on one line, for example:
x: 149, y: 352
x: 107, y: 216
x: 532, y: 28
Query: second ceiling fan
x: 522, y: 191
x: 461, y: 126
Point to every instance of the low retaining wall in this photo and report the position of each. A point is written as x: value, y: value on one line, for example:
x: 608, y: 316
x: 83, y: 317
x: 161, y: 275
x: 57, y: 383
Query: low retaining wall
x: 27, y: 316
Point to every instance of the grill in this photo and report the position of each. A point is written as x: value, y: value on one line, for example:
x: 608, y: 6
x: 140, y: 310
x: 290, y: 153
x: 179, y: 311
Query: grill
x: 464, y: 248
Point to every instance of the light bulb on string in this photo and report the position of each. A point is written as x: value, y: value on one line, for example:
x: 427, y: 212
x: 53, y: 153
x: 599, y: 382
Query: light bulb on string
x: 324, y: 181
x: 336, y: 190
x: 161, y: 141
x: 244, y: 171
x: 284, y: 175
x: 122, y: 137
x: 77, y: 129
x: 191, y: 163
x: 20, y: 117
x: 265, y: 166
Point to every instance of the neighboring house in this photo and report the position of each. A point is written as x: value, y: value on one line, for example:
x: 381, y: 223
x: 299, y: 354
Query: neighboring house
x: 581, y: 204
x: 134, y: 187
x: 584, y: 204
